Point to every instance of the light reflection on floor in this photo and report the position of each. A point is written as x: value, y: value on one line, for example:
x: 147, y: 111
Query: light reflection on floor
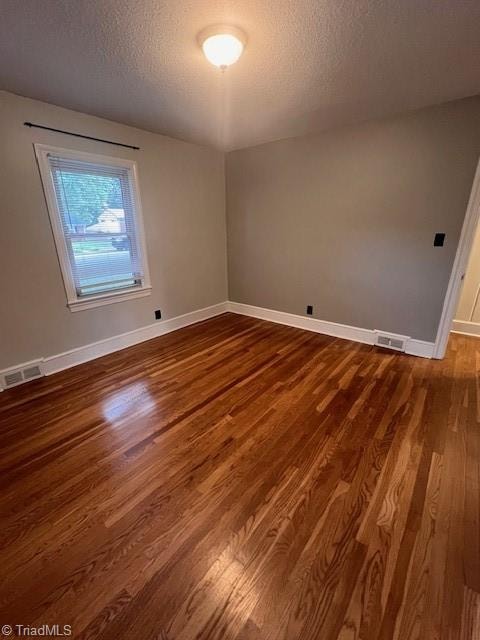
x: 132, y: 400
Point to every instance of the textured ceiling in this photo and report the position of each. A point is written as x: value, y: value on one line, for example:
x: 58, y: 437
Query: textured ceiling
x: 309, y: 64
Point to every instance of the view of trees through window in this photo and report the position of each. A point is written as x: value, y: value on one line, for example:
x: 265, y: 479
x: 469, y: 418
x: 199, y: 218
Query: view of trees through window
x: 101, y: 248
x: 85, y: 197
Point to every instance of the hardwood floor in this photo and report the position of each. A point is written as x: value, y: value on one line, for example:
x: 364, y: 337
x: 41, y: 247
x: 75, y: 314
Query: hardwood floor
x: 243, y: 480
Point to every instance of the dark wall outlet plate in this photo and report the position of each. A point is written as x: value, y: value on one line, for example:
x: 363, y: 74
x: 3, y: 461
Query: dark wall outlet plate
x: 158, y: 314
x: 309, y: 310
x: 439, y: 240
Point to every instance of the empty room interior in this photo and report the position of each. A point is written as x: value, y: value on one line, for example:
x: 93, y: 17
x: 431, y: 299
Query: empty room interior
x: 240, y: 319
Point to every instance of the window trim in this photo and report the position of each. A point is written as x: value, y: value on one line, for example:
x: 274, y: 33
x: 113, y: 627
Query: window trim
x: 74, y: 302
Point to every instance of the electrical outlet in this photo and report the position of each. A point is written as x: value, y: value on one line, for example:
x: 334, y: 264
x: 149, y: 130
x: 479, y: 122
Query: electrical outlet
x: 439, y: 240
x: 158, y: 314
x: 309, y: 310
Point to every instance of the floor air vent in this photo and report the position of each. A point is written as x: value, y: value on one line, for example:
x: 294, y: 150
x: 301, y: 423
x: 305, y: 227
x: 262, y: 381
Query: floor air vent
x: 391, y: 341
x: 12, y: 377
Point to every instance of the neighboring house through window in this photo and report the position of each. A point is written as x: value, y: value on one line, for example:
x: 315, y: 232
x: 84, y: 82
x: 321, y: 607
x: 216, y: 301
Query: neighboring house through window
x: 94, y: 207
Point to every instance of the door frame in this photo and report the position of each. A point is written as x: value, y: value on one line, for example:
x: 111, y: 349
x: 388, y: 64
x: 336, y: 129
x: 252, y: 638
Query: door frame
x: 460, y: 263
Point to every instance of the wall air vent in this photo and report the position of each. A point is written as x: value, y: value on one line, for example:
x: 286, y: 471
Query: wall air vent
x: 18, y: 375
x: 12, y: 379
x: 32, y: 372
x: 390, y: 341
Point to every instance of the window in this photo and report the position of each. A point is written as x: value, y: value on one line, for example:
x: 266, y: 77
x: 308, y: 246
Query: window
x: 94, y: 208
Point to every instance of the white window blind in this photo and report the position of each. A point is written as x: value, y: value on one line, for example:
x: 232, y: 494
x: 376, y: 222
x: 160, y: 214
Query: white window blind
x: 97, y: 212
x: 94, y: 208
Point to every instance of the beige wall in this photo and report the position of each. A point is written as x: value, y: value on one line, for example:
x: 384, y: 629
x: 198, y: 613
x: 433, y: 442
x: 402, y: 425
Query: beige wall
x: 182, y: 189
x: 345, y: 220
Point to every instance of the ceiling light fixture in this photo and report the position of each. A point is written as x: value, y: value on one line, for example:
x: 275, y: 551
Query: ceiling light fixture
x: 222, y: 45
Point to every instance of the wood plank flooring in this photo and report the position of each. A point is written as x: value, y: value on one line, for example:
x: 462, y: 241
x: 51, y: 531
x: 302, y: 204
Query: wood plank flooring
x: 241, y: 480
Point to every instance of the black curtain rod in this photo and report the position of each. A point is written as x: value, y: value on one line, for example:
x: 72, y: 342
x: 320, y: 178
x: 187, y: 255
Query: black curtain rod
x: 79, y: 135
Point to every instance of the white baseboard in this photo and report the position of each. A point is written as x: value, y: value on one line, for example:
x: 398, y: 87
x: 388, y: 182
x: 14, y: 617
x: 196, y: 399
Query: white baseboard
x: 309, y: 324
x: 79, y: 355
x: 420, y: 348
x: 466, y: 328
x: 367, y: 336
x: 61, y: 361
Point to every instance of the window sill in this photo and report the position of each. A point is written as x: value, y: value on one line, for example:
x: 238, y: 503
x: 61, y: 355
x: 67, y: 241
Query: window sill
x: 108, y: 298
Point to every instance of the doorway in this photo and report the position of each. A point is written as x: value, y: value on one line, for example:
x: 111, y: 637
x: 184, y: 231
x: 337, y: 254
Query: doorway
x: 465, y: 251
x: 467, y: 317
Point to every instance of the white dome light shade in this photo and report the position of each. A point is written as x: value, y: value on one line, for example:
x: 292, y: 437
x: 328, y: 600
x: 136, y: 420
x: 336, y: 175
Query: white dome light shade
x: 222, y: 45
x: 222, y: 50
